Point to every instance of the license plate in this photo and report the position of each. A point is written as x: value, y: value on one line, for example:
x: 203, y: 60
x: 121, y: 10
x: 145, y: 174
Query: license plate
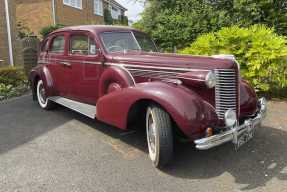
x: 246, y: 136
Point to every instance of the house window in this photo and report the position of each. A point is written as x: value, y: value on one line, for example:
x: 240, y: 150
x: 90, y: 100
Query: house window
x: 98, y: 7
x: 73, y: 3
x: 115, y: 12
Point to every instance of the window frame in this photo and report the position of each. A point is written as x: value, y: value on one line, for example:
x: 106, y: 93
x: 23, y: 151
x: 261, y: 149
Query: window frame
x: 99, y: 12
x: 82, y: 33
x: 52, y: 41
x: 44, y: 45
x: 109, y: 32
x: 70, y: 4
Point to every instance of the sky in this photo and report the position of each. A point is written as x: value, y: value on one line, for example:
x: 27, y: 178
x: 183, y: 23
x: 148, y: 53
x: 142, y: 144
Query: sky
x: 134, y: 9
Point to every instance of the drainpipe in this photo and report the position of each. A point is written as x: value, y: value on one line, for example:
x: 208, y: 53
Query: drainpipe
x: 11, y: 59
x: 54, y: 11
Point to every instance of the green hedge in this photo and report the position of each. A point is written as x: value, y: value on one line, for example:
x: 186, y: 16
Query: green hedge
x: 13, y: 82
x: 12, y: 76
x: 49, y: 29
x: 262, y: 53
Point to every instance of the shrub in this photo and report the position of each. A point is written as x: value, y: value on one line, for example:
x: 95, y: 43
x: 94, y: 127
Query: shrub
x: 124, y: 20
x: 108, y: 17
x: 8, y: 91
x: 13, y: 82
x: 48, y: 29
x: 12, y: 76
x: 23, y: 31
x: 262, y: 53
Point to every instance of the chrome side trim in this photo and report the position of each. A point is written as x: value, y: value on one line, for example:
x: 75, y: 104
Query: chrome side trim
x: 162, y: 73
x: 156, y: 67
x: 70, y: 60
x: 123, y: 68
x: 83, y: 108
x: 43, y: 62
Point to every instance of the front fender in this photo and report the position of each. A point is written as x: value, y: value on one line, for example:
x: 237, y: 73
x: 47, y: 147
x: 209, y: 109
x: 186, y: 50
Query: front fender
x: 191, y: 113
x: 248, y: 99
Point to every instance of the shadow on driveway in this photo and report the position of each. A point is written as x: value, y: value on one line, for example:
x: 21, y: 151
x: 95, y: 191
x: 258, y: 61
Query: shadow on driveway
x: 253, y: 165
x: 263, y: 158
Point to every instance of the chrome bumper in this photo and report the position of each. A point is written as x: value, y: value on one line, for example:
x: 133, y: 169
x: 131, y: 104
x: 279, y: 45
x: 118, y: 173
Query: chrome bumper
x: 234, y: 132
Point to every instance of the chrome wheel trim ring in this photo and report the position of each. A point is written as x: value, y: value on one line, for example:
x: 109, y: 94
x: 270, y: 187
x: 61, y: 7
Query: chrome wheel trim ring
x: 43, y: 101
x: 151, y: 133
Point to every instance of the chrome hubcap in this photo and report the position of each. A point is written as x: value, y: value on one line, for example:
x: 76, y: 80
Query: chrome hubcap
x: 42, y: 94
x: 151, y: 135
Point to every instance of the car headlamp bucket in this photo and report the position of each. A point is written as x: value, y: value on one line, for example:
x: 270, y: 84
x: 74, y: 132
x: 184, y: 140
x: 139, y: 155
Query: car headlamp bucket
x: 210, y: 79
x: 230, y: 118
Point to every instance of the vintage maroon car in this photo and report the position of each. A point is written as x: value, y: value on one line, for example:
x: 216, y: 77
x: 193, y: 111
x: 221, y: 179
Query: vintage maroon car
x: 117, y: 75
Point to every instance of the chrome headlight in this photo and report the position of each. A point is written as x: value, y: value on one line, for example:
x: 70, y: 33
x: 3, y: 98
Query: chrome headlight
x: 210, y: 79
x: 263, y: 104
x: 230, y: 118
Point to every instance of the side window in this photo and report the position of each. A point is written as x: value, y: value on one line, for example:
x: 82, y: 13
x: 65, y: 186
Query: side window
x: 58, y: 44
x: 82, y: 45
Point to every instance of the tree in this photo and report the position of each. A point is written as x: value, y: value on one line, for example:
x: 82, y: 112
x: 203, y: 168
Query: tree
x: 177, y: 23
x: 255, y: 48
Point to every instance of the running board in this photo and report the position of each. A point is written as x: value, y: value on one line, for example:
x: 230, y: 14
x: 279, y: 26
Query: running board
x: 85, y: 109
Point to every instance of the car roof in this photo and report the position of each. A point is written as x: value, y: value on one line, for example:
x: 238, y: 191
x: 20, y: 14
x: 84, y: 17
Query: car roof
x: 95, y: 28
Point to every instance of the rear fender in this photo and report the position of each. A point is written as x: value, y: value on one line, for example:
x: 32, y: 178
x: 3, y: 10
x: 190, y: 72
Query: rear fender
x: 191, y: 113
x: 43, y: 73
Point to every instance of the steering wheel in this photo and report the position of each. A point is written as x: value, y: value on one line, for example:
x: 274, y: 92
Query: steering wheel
x: 115, y: 48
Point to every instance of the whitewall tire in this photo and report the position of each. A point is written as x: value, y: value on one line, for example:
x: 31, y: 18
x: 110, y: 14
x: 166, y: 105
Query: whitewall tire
x: 43, y: 101
x: 159, y: 135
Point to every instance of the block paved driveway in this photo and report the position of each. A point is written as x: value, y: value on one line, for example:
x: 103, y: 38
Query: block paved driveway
x: 61, y: 150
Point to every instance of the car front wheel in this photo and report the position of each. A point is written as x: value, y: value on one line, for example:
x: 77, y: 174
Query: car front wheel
x: 159, y: 136
x: 43, y: 101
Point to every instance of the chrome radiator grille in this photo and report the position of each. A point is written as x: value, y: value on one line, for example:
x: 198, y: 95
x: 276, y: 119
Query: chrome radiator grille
x: 225, y: 91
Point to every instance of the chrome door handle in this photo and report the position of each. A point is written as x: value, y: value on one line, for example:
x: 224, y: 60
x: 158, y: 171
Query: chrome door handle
x: 65, y: 63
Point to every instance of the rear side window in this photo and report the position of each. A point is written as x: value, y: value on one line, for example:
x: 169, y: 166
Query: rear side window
x: 82, y: 45
x: 58, y: 44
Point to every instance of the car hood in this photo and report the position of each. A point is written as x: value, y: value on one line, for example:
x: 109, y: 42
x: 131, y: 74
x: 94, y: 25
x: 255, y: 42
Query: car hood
x: 171, y: 60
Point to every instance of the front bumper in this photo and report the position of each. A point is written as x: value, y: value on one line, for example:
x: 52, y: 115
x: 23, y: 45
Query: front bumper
x: 235, y: 132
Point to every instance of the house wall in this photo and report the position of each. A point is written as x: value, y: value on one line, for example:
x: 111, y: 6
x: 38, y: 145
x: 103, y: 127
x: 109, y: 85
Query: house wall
x: 35, y: 14
x: 67, y: 15
x: 4, y: 50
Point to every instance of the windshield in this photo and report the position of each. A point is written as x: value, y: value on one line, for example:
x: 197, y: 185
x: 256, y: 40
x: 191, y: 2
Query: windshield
x: 126, y: 41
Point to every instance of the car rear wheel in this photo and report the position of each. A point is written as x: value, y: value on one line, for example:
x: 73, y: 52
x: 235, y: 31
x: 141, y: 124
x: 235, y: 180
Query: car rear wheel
x: 43, y: 101
x: 159, y: 136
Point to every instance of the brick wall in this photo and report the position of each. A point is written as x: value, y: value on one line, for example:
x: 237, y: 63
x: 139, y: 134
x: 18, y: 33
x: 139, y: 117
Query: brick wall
x: 35, y: 14
x: 67, y: 15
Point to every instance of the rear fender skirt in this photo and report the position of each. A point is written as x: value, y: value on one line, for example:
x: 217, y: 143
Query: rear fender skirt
x: 187, y: 109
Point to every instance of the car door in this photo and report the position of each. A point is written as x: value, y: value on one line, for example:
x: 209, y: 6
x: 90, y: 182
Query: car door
x: 58, y: 65
x: 86, y: 67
